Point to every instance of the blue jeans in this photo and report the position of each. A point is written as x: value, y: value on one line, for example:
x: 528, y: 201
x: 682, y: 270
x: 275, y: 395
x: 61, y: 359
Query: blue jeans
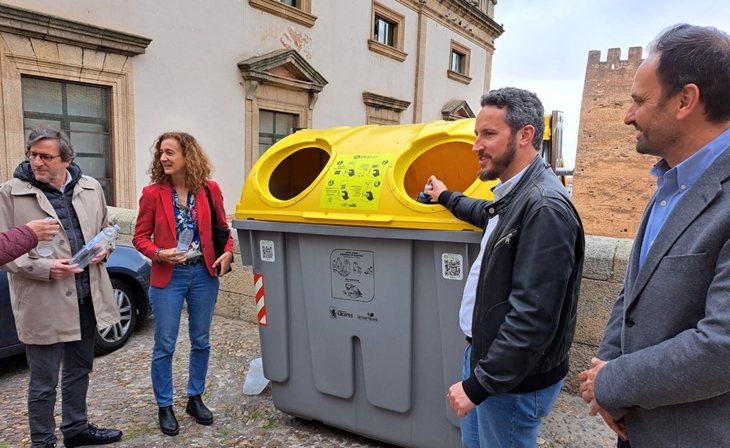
x: 194, y: 284
x: 506, y: 420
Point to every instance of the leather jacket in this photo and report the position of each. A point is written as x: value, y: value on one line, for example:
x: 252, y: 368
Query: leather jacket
x: 527, y: 293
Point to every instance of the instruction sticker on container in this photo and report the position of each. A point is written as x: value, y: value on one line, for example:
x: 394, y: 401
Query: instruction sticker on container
x: 354, y: 182
x: 452, y: 266
x: 267, y: 251
x: 352, y: 275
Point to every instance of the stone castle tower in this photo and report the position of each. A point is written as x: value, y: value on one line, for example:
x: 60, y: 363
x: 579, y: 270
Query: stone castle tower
x: 611, y: 183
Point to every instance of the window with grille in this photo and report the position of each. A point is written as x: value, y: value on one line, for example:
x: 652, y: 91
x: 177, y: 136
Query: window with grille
x: 273, y: 126
x: 83, y: 112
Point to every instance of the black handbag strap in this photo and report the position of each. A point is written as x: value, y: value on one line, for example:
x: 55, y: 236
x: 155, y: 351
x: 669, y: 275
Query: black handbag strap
x: 214, y: 219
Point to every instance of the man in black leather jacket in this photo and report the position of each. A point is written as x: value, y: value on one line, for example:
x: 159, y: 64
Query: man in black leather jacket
x: 525, y: 290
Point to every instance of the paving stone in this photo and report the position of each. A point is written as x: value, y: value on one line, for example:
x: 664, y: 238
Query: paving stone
x: 120, y: 396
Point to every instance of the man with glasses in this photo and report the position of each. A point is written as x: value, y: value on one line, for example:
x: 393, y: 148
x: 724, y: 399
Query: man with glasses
x: 57, y: 306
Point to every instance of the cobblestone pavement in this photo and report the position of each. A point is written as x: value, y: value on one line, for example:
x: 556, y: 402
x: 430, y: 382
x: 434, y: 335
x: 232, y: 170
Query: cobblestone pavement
x: 120, y: 396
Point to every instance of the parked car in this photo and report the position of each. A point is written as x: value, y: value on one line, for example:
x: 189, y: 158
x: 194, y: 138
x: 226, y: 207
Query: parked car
x: 129, y: 271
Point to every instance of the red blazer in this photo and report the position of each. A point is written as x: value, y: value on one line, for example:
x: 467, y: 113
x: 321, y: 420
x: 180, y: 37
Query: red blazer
x: 156, y: 217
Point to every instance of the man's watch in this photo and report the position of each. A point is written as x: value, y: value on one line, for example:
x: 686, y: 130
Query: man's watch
x: 157, y: 255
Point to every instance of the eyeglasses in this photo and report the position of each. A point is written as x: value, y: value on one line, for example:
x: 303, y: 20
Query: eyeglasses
x: 45, y: 157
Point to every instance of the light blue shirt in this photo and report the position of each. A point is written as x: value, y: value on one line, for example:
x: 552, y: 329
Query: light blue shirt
x: 672, y: 183
x: 470, y: 289
x: 68, y: 181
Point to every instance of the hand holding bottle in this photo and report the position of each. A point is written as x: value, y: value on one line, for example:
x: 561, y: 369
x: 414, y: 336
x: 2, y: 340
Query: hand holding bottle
x: 422, y: 197
x: 63, y: 268
x: 172, y: 256
x: 437, y: 187
x: 46, y: 230
x: 96, y: 249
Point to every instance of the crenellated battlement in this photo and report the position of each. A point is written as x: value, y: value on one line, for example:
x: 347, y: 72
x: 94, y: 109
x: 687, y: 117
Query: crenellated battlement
x: 611, y: 180
x: 613, y: 59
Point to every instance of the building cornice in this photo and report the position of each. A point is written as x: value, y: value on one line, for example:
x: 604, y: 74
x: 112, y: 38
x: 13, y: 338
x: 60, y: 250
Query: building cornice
x: 37, y: 25
x: 385, y: 102
x: 462, y: 17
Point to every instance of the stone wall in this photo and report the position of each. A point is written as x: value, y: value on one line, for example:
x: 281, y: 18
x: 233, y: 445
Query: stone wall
x: 603, y: 272
x: 611, y: 183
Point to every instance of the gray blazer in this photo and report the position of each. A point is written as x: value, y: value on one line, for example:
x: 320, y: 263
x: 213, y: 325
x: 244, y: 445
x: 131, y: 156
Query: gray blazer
x: 668, y: 337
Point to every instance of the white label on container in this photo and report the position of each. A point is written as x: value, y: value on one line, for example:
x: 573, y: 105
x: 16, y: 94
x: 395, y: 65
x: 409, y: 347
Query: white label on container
x: 452, y: 266
x: 353, y: 276
x: 267, y: 251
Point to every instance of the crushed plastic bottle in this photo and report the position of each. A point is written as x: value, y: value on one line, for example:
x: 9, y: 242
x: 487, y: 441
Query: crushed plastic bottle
x: 255, y: 382
x: 423, y: 198
x: 46, y: 248
x: 186, y: 237
x: 102, y: 241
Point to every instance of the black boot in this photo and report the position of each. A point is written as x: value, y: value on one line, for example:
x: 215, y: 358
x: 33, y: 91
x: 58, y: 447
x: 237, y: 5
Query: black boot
x: 197, y: 409
x: 168, y: 422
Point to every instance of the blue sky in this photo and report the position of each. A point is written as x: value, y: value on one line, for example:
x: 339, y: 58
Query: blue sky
x: 545, y: 44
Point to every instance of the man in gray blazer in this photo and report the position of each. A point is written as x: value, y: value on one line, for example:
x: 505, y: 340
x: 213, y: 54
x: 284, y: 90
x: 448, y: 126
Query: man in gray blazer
x: 661, y: 377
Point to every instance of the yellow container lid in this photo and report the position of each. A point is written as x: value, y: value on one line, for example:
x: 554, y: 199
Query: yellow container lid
x: 364, y: 176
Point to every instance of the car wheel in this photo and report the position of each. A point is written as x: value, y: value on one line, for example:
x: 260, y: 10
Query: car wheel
x: 113, y: 337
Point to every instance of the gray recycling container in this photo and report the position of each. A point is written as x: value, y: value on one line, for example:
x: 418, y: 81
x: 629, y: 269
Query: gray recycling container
x: 357, y: 285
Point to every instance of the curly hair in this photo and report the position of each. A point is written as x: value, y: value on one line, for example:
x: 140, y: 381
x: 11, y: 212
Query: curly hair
x: 523, y: 108
x: 197, y: 163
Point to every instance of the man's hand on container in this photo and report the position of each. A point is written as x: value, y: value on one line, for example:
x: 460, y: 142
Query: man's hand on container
x: 459, y: 401
x: 437, y: 187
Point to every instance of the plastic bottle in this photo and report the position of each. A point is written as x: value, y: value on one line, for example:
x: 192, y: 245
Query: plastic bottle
x: 186, y: 237
x: 423, y: 197
x: 46, y: 248
x: 255, y: 381
x: 102, y: 241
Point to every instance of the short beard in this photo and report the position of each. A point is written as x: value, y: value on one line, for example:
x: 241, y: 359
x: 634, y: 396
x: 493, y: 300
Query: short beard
x: 501, y: 165
x: 647, y: 147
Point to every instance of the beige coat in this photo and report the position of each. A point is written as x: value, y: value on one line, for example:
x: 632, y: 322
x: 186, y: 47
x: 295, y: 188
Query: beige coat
x: 47, y: 311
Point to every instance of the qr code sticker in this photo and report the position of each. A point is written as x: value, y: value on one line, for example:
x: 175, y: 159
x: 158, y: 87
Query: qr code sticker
x: 267, y: 251
x: 452, y: 266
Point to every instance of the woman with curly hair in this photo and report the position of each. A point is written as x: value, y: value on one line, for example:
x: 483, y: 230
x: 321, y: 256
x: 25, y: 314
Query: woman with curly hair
x: 176, y: 197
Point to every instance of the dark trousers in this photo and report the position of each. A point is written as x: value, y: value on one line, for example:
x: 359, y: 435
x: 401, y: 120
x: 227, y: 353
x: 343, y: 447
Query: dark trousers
x: 44, y: 362
x: 623, y: 443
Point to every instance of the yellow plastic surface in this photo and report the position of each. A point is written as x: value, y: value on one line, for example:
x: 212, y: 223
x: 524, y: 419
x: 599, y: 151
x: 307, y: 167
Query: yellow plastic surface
x: 364, y: 176
x: 547, y: 133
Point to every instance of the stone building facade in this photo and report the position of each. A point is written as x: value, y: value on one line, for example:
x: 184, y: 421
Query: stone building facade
x: 611, y: 183
x: 237, y: 74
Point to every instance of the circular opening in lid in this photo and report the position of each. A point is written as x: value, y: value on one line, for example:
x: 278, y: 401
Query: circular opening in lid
x: 296, y: 172
x: 453, y: 163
